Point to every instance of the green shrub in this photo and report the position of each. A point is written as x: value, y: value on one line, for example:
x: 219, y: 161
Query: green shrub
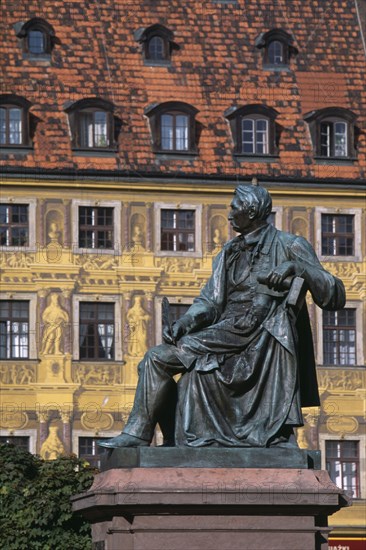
x: 35, y: 507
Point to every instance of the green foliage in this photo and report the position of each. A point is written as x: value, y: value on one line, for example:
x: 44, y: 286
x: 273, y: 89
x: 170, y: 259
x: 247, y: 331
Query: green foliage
x: 35, y: 507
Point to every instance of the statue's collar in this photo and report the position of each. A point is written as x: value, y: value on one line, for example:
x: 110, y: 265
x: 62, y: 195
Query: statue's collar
x: 255, y: 236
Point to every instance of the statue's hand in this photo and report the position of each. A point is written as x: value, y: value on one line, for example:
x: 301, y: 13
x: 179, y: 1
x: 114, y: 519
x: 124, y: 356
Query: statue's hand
x: 275, y: 278
x: 173, y: 334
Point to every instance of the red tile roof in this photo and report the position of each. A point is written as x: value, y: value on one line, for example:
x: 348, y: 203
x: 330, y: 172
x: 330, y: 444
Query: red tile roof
x: 216, y: 67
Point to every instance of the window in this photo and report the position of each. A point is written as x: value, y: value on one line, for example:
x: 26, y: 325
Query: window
x: 276, y: 53
x: 342, y: 463
x: 157, y: 43
x: 14, y: 229
x: 333, y: 133
x: 38, y: 37
x: 278, y: 47
x: 95, y: 227
x: 14, y: 124
x: 96, y: 330
x: 178, y: 230
x: 18, y: 441
x: 92, y: 124
x: 173, y: 128
x: 254, y: 130
x: 337, y: 234
x: 254, y: 139
x: 90, y: 451
x: 14, y: 329
x: 339, y: 337
x: 156, y: 48
x: 333, y: 139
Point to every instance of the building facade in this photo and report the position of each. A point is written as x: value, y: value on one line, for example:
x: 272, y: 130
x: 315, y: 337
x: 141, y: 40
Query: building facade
x: 125, y: 127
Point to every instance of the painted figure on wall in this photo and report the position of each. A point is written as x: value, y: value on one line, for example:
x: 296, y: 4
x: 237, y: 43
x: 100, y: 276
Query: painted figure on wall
x: 55, y: 319
x: 244, y: 348
x: 138, y: 320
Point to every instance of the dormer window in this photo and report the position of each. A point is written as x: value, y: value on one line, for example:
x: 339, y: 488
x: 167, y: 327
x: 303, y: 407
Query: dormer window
x: 92, y: 124
x: 14, y: 121
x: 156, y: 48
x: 276, y: 53
x: 157, y: 43
x: 173, y: 127
x: 332, y: 132
x: 253, y: 130
x: 277, y: 47
x: 38, y: 37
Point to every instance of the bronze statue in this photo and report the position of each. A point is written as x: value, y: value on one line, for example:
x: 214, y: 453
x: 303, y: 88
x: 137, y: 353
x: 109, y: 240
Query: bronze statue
x: 244, y: 352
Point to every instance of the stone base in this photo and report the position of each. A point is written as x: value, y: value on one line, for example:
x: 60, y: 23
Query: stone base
x: 210, y: 509
x: 210, y: 457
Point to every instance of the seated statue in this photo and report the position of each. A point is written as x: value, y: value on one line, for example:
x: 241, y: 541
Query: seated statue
x: 246, y: 357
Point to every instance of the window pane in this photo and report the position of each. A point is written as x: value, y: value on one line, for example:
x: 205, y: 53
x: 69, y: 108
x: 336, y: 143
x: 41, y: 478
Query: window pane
x: 96, y: 330
x: 339, y: 337
x: 178, y: 230
x: 14, y: 329
x: 96, y: 227
x: 247, y: 135
x: 100, y: 129
x: 86, y: 129
x: 275, y: 53
x: 36, y: 42
x: 167, y: 132
x: 337, y: 234
x: 261, y: 137
x: 181, y: 135
x: 342, y: 463
x: 325, y: 129
x: 156, y: 48
x: 340, y: 139
x: 2, y: 125
x: 15, y: 126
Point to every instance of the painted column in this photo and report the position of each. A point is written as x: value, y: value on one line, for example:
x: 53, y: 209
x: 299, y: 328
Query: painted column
x: 42, y: 416
x: 149, y: 226
x: 66, y: 429
x: 149, y: 308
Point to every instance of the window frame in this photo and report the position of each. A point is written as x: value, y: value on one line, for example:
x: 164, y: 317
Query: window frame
x: 76, y: 434
x: 40, y: 25
x: 337, y: 344
x: 144, y: 37
x: 95, y: 324
x: 357, y: 214
x: 32, y: 322
x: 332, y: 116
x: 10, y: 335
x: 30, y: 433
x: 350, y: 304
x: 289, y: 50
x: 95, y: 229
x: 110, y: 298
x: 158, y: 207
x: 77, y: 111
x: 32, y: 206
x: 116, y: 205
x: 236, y: 116
x: 8, y: 102
x: 361, y: 439
x: 155, y: 114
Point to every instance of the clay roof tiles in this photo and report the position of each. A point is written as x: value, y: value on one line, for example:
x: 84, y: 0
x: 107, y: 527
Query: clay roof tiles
x: 216, y: 67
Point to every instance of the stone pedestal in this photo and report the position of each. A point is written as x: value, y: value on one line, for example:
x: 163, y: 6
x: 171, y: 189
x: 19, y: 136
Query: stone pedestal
x: 199, y: 508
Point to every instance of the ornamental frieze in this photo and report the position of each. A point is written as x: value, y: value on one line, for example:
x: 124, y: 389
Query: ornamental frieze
x: 97, y: 374
x: 15, y: 374
x: 340, y: 379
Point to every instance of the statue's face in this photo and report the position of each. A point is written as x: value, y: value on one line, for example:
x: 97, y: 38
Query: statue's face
x: 240, y: 216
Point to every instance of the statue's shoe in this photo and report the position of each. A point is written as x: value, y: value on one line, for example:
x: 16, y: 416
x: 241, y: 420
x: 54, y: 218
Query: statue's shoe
x: 123, y: 440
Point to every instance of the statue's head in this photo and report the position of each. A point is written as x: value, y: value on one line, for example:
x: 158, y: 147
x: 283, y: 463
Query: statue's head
x: 256, y: 199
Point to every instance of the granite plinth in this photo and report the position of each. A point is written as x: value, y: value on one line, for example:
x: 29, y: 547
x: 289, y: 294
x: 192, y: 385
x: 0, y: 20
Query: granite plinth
x: 210, y: 508
x: 185, y: 457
